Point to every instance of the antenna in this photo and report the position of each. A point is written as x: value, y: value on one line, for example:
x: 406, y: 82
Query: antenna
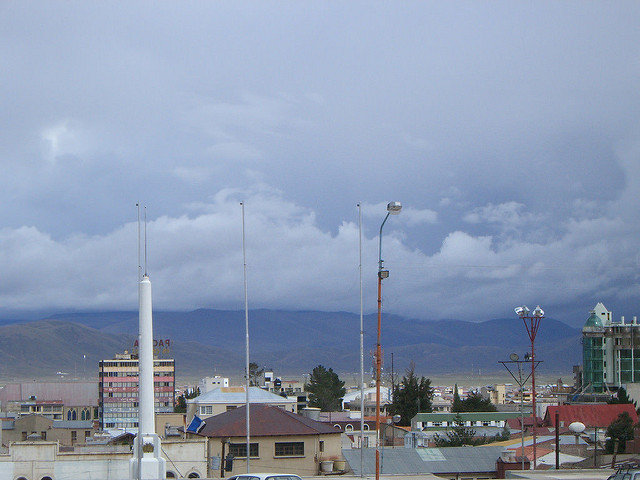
x: 139, y: 266
x: 145, y: 240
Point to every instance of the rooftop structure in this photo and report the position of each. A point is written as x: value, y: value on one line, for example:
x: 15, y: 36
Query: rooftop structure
x: 610, y: 350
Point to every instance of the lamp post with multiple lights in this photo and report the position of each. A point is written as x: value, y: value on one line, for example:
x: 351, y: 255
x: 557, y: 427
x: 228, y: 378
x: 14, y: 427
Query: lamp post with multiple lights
x: 393, y: 208
x: 531, y: 323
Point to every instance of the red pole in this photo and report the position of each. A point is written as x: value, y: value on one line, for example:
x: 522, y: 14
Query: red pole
x: 532, y: 330
x: 378, y: 374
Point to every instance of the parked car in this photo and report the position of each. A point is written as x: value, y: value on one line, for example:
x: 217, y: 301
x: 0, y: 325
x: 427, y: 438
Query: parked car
x: 626, y: 474
x: 265, y: 476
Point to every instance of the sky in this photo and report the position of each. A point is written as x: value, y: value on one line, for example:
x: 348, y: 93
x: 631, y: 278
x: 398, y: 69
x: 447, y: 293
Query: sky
x: 509, y: 131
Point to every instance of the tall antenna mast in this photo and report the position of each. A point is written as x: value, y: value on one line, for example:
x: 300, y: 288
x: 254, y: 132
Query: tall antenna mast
x: 246, y: 326
x: 139, y: 265
x: 145, y: 240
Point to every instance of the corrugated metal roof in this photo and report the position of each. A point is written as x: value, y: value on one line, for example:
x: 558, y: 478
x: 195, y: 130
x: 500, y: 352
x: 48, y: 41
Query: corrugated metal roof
x: 467, y: 416
x: 409, y: 461
x: 591, y: 415
x: 80, y: 424
x: 265, y: 420
x: 236, y: 395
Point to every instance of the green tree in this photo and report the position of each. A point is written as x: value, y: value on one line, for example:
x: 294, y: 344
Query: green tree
x: 254, y: 373
x: 181, y: 401
x: 455, y: 406
x: 621, y: 397
x: 181, y: 405
x: 475, y: 403
x: 457, y: 435
x: 412, y: 396
x: 325, y: 389
x: 620, y: 430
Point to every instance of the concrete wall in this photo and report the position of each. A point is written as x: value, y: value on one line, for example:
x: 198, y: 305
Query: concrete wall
x: 306, y: 465
x: 35, y: 460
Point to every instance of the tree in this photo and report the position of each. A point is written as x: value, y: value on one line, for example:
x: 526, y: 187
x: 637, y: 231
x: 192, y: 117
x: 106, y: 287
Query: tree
x: 254, y: 373
x: 325, y: 389
x: 181, y: 401
x: 621, y: 397
x: 455, y: 406
x: 457, y: 435
x: 181, y: 405
x: 475, y: 403
x: 412, y: 396
x: 620, y: 430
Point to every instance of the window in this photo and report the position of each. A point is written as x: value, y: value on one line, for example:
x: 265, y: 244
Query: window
x: 239, y: 450
x: 206, y: 410
x: 289, y: 449
x: 231, y: 407
x: 43, y: 435
x: 321, y: 446
x: 74, y: 436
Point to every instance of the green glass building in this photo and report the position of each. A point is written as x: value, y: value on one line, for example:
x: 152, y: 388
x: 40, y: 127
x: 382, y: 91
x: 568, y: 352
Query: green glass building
x: 610, y: 351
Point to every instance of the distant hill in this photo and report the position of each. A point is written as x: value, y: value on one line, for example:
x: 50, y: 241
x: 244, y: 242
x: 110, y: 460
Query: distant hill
x: 204, y: 341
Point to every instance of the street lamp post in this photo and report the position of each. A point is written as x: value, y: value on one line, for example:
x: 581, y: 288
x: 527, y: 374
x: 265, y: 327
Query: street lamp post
x: 531, y: 323
x: 393, y: 208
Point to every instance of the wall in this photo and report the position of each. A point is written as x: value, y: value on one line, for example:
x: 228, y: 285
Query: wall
x: 34, y: 460
x: 306, y: 465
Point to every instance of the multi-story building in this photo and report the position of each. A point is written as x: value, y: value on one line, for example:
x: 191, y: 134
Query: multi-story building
x: 610, y: 351
x: 210, y: 383
x: 64, y: 400
x: 118, y: 389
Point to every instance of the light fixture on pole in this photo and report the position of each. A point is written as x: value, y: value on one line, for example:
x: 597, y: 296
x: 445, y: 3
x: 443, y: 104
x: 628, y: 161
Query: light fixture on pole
x: 393, y: 208
x: 531, y: 322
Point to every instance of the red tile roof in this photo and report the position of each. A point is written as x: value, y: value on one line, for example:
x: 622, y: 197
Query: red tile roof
x: 591, y: 415
x: 265, y: 420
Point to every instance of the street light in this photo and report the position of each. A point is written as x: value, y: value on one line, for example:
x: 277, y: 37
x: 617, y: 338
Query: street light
x: 393, y: 208
x: 531, y: 323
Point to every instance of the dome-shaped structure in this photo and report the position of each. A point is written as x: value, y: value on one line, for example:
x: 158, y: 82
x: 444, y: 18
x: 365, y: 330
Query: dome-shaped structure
x: 593, y: 321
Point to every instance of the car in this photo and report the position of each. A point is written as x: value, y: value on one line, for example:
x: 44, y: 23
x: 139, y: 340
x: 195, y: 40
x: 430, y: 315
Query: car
x: 626, y: 474
x: 265, y: 476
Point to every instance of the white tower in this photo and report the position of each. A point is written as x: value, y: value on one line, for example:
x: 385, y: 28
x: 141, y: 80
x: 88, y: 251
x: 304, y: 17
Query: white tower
x: 146, y: 464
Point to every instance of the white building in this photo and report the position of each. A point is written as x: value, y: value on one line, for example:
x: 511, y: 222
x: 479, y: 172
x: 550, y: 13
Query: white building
x: 223, y: 399
x: 210, y: 383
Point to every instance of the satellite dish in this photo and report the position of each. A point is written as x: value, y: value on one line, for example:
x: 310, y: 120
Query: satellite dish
x: 576, y: 428
x: 514, y: 357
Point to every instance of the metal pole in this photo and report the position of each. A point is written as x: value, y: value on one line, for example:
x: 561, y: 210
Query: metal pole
x: 246, y: 326
x: 521, y: 414
x: 379, y: 350
x: 378, y: 353
x: 361, y: 348
x: 557, y: 440
x: 532, y: 330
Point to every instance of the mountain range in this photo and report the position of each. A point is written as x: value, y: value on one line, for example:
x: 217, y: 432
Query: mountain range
x: 206, y: 341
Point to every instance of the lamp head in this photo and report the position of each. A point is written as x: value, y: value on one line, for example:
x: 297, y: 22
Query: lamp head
x: 522, y: 311
x: 538, y: 312
x: 394, y: 208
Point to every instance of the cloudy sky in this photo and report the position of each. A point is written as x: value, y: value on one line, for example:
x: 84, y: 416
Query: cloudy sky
x: 508, y: 130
